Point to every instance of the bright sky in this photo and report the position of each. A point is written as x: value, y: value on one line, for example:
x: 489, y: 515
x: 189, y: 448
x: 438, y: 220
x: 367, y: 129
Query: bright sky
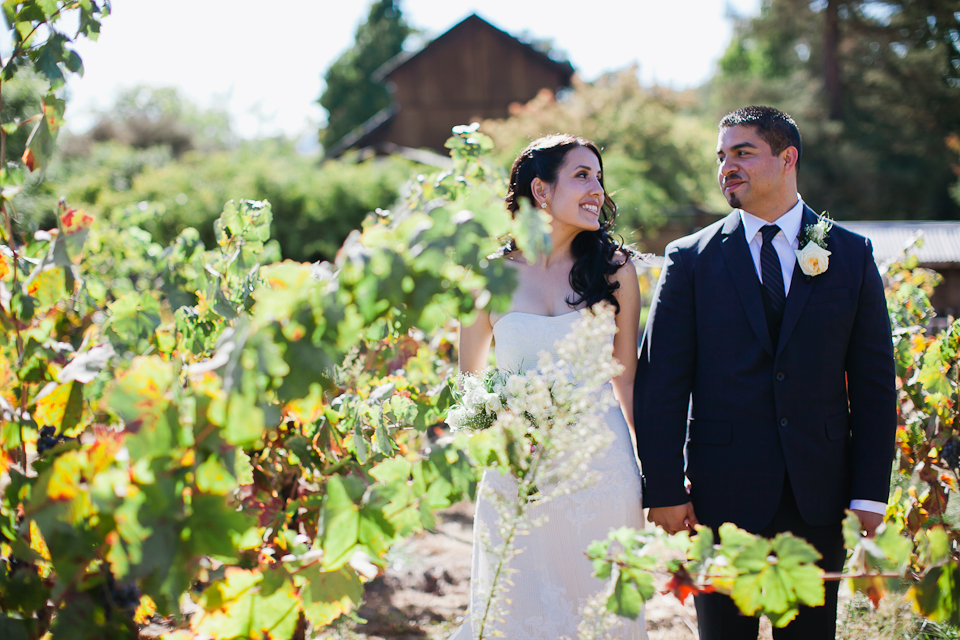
x: 265, y: 61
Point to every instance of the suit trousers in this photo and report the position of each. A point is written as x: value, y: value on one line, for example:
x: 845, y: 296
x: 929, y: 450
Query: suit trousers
x: 718, y: 617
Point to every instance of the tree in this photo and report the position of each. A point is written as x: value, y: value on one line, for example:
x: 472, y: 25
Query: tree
x: 352, y: 96
x: 22, y: 97
x: 144, y: 117
x: 874, y: 87
x: 657, y: 153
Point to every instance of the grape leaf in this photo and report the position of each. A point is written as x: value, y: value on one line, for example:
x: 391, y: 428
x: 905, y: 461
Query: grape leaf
x: 341, y: 524
x: 626, y: 600
x: 248, y: 604
x: 327, y: 595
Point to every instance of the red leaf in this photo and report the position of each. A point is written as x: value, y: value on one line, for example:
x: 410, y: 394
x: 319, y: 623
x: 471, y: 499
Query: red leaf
x: 68, y: 217
x: 29, y: 159
x: 681, y: 585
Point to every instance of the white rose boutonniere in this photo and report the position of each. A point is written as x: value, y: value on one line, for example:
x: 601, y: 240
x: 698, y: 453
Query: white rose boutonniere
x: 813, y: 259
x: 813, y: 256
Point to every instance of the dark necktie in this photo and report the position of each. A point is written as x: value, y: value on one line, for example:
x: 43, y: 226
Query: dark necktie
x: 772, y: 276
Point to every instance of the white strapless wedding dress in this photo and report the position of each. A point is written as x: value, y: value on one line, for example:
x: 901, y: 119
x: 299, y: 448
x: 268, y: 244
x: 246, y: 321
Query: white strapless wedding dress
x: 553, y: 578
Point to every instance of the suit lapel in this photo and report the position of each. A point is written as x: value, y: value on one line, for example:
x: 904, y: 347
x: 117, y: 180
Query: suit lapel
x: 736, y: 253
x: 800, y: 288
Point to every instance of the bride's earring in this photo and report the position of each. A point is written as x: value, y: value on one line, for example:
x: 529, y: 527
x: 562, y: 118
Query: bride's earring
x: 543, y: 205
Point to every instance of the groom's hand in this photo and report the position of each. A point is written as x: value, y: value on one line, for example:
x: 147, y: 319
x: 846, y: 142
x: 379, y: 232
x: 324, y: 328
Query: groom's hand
x: 869, y: 521
x: 674, y: 519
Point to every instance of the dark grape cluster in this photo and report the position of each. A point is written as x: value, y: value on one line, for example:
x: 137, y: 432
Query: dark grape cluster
x: 49, y: 439
x: 124, y: 597
x: 950, y: 454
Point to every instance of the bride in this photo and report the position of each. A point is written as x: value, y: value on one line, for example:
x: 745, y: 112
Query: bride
x: 552, y: 578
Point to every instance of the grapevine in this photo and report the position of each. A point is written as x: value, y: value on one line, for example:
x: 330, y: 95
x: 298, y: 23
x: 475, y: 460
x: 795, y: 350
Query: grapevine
x: 209, y: 423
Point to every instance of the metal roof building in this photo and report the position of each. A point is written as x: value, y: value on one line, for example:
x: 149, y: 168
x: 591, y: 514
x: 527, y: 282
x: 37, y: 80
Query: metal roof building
x: 940, y: 251
x: 940, y: 239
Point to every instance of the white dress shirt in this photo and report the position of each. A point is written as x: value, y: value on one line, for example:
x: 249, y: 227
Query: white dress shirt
x: 785, y: 242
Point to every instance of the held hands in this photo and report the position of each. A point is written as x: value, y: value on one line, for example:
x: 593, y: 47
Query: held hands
x: 676, y: 518
x: 682, y: 518
x: 869, y: 521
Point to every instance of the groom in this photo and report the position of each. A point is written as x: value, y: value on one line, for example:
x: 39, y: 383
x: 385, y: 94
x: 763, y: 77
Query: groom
x: 778, y: 383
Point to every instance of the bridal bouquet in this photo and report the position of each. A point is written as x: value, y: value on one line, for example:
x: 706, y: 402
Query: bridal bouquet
x: 563, y: 387
x: 478, y: 398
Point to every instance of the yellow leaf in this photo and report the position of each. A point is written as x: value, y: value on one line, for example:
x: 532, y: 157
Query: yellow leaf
x: 37, y: 543
x: 49, y: 288
x: 145, y: 610
x: 65, y: 476
x: 4, y: 267
x: 52, y: 407
x: 104, y: 450
x: 917, y: 344
x: 305, y: 410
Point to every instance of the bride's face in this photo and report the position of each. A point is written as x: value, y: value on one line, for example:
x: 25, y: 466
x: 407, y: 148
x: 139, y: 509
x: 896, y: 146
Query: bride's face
x: 576, y: 197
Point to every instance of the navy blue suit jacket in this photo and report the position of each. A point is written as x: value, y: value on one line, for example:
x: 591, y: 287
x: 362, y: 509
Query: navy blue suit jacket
x: 820, y: 406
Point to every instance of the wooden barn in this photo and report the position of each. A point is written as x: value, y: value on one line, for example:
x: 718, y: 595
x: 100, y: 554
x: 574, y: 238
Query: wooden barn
x: 471, y: 72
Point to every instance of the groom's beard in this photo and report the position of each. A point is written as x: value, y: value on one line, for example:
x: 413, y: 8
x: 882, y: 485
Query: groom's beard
x: 733, y: 199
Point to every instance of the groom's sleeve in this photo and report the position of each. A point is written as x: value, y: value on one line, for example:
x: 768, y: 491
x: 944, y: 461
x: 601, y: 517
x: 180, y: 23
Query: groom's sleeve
x: 871, y: 388
x: 667, y: 359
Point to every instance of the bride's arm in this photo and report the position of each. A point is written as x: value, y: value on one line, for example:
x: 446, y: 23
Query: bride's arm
x: 475, y: 344
x: 625, y: 342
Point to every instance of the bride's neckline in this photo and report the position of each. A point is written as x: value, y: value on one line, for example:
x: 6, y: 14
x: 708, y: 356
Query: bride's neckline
x: 536, y: 315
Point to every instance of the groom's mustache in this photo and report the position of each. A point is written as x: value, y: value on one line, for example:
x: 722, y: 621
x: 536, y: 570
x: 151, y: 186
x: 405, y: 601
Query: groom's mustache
x: 731, y: 178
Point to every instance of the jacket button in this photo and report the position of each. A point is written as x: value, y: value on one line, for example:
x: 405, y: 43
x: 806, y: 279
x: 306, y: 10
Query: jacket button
x: 781, y: 376
x: 783, y: 422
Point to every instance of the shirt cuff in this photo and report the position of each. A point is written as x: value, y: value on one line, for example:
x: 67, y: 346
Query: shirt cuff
x: 869, y: 505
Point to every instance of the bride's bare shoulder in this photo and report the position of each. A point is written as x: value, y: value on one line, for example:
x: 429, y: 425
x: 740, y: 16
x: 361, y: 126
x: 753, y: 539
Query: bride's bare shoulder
x: 623, y: 259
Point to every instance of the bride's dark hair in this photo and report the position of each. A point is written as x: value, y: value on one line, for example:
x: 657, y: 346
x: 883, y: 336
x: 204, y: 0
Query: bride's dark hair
x: 594, y: 252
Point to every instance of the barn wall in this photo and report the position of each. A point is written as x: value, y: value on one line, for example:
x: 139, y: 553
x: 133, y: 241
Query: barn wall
x: 470, y: 73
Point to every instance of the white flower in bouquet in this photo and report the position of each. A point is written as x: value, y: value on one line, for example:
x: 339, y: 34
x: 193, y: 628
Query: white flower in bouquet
x: 517, y: 404
x: 456, y: 418
x: 516, y: 385
x: 492, y: 403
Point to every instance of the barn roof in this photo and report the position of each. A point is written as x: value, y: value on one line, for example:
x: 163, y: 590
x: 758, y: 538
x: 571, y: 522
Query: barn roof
x: 361, y: 136
x: 941, y: 239
x: 407, y: 57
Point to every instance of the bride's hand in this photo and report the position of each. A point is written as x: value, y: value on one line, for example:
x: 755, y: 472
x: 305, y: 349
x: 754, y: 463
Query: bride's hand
x: 674, y: 519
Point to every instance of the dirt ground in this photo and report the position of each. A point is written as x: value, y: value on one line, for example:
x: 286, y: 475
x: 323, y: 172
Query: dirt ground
x: 425, y: 591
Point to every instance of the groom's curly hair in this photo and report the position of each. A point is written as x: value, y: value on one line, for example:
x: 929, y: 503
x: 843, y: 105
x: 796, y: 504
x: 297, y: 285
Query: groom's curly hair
x: 774, y: 127
x: 595, y: 252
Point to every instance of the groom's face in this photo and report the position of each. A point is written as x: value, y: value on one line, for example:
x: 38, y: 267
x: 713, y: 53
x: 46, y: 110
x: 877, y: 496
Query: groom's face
x: 750, y: 175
